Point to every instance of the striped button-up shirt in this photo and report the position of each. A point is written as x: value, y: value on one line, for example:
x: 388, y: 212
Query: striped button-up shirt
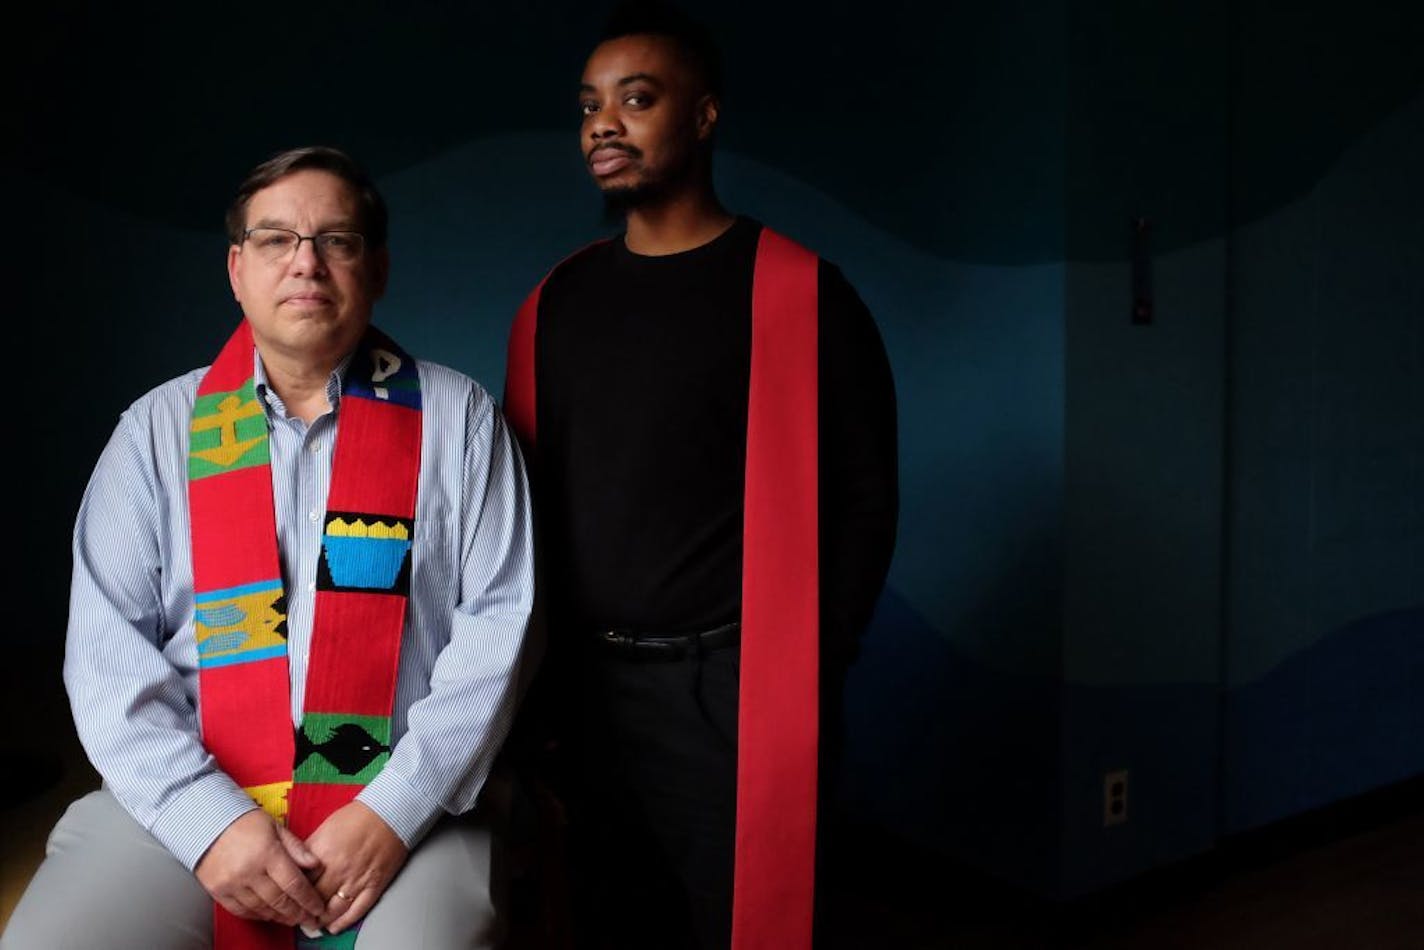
x: 131, y: 663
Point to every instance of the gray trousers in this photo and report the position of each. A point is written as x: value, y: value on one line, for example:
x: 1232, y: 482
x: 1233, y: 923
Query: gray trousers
x: 106, y: 882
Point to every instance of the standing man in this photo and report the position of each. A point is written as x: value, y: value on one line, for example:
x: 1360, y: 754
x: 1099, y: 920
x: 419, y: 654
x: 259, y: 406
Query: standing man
x: 302, y: 580
x: 711, y: 419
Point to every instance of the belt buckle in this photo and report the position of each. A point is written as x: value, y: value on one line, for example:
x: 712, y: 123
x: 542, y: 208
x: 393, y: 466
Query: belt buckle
x: 616, y: 637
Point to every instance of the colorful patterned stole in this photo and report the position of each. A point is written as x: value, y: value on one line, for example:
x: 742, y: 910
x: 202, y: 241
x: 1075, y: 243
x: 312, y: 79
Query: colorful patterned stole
x: 363, y: 579
x: 779, y: 688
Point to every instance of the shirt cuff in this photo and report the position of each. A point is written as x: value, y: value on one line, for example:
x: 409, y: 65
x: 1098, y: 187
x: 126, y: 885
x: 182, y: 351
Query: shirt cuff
x: 192, y: 821
x: 401, y: 806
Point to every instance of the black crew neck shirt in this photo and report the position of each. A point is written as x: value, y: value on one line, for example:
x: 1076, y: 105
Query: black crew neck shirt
x: 643, y: 365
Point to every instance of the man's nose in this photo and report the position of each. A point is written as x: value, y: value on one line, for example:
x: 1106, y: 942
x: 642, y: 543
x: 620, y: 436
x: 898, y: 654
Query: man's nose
x: 306, y: 259
x: 604, y: 124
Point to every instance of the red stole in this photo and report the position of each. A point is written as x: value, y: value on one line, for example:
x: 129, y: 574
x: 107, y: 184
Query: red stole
x: 778, y: 719
x: 301, y: 776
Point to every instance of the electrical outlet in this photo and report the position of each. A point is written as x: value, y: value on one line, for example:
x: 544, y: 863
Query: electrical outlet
x: 1114, y: 798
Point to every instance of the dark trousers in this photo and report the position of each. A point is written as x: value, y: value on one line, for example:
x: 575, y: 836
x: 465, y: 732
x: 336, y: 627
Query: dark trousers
x: 652, y: 799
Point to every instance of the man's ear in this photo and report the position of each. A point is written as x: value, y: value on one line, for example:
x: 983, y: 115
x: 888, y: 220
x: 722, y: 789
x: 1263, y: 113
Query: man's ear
x: 708, y: 109
x: 234, y: 269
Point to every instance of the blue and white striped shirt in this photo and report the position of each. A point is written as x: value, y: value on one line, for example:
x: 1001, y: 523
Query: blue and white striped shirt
x: 131, y: 664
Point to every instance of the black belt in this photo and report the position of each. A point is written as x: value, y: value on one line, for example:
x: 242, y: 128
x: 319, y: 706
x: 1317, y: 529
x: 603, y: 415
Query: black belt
x: 677, y: 646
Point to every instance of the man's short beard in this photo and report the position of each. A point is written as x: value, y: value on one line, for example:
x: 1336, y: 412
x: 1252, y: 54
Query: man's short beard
x: 656, y: 186
x: 621, y: 199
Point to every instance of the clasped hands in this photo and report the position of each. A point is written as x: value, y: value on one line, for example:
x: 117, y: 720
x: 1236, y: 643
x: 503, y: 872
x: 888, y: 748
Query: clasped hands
x: 259, y: 870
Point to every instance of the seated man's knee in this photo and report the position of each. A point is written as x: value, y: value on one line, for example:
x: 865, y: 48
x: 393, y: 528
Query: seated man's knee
x: 105, y: 882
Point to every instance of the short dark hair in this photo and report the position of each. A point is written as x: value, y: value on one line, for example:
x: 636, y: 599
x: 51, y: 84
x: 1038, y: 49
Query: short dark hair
x: 374, y: 221
x: 660, y: 18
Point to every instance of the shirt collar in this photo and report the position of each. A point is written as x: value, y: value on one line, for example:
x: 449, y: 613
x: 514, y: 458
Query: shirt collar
x: 272, y: 404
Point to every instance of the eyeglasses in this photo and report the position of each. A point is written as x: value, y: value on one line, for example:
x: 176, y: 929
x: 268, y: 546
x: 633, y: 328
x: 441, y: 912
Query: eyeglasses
x: 275, y: 245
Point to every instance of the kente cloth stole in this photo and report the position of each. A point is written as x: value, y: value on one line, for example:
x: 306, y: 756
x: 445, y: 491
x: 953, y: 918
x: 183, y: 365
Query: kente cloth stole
x: 778, y: 696
x: 363, y: 579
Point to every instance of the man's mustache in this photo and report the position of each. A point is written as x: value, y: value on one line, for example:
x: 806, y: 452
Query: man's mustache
x: 632, y: 151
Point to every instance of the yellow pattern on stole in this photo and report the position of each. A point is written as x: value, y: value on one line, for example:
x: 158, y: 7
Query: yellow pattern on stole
x: 272, y: 798
x: 255, y: 615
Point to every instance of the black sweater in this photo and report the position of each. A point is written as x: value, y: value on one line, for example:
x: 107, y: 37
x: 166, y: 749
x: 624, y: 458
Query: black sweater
x: 642, y: 367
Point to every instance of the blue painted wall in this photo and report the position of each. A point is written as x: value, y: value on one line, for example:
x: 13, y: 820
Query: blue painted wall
x: 1325, y: 616
x: 1244, y: 608
x: 1191, y: 549
x: 1144, y: 448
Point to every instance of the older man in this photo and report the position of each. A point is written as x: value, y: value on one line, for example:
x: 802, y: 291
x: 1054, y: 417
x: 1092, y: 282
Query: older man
x: 302, y: 581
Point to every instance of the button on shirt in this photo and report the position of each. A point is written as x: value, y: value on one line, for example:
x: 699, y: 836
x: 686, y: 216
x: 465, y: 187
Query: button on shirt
x: 131, y: 663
